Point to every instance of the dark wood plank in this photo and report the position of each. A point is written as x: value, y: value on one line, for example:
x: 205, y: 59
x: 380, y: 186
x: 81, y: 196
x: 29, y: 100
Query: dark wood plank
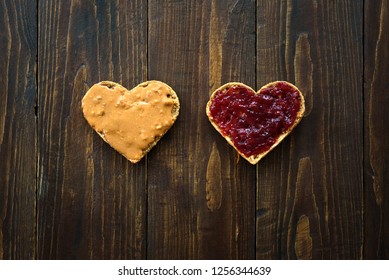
x: 201, y: 195
x: 17, y: 129
x: 91, y: 200
x: 320, y: 194
x: 310, y: 188
x: 376, y: 206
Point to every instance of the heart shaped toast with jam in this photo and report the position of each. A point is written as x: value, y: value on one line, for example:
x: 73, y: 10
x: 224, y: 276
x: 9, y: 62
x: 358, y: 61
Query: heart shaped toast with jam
x: 255, y: 122
x: 131, y: 121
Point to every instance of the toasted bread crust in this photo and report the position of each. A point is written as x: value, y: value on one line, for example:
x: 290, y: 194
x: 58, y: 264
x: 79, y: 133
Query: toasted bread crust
x: 255, y: 158
x: 175, y: 112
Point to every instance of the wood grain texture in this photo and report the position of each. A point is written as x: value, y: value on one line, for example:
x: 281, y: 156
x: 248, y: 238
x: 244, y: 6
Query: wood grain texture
x: 17, y: 129
x: 304, y: 206
x: 201, y: 196
x: 91, y: 200
x: 321, y: 194
x: 376, y: 66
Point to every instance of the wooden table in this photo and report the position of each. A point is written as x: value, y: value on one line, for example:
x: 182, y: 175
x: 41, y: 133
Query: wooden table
x: 321, y: 194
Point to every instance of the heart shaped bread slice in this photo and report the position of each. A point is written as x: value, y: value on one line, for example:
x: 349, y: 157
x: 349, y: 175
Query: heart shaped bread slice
x: 131, y: 121
x: 255, y: 122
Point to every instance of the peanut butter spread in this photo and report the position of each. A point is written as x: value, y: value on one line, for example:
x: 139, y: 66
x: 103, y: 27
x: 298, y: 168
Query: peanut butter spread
x: 130, y: 121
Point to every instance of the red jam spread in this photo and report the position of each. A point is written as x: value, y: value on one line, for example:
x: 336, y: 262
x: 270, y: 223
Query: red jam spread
x: 255, y: 121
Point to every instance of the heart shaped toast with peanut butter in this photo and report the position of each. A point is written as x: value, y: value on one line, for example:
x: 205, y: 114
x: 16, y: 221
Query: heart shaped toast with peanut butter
x: 131, y: 121
x: 255, y: 122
